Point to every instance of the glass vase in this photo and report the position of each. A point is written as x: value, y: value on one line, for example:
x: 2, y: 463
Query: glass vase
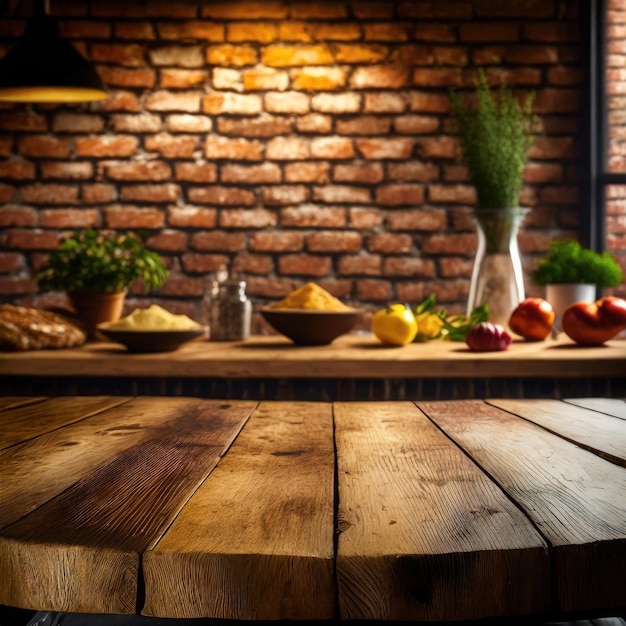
x: 497, y: 276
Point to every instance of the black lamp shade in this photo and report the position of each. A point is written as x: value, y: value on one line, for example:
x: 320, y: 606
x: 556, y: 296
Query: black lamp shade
x: 42, y: 67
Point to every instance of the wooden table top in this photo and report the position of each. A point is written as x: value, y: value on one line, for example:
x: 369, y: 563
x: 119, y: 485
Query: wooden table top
x: 425, y: 511
x: 350, y: 356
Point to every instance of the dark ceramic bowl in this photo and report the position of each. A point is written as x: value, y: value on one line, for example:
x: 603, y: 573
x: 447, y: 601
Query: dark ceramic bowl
x: 151, y: 340
x: 308, y: 327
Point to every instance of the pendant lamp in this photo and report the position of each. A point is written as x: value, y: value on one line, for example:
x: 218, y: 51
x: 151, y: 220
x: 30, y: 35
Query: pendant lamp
x: 42, y: 67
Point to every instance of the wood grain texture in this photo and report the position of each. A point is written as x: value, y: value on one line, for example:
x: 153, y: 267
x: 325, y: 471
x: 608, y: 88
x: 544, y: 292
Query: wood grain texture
x: 30, y: 420
x: 10, y: 402
x: 351, y: 356
x: 425, y: 535
x: 83, y: 547
x: 576, y: 499
x: 256, y: 540
x: 599, y: 433
x: 610, y: 406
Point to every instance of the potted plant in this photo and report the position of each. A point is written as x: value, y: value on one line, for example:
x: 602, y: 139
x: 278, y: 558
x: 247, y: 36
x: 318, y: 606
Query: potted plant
x: 571, y: 273
x: 96, y: 269
x: 494, y: 131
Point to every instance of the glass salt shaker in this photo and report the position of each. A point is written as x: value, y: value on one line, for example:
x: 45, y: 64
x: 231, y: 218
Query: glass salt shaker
x: 230, y: 311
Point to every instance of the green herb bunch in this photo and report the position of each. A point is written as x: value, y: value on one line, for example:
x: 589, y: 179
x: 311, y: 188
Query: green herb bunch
x: 92, y: 261
x: 569, y: 262
x: 495, y: 135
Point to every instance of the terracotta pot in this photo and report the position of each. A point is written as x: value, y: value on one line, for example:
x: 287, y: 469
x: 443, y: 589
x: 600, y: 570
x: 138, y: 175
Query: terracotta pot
x: 93, y: 308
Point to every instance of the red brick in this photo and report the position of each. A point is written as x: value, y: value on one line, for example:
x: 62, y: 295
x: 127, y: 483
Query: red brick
x: 384, y: 102
x: 416, y: 171
x: 196, y: 172
x: 276, y: 241
x: 364, y: 125
x: 135, y: 170
x: 525, y: 9
x: 287, y: 102
x: 168, y: 192
x: 489, y: 32
x: 318, y: 78
x: 434, y: 9
x: 98, y: 193
x: 386, y: 31
x: 314, y: 123
x: 256, y: 127
x: 292, y: 31
x: 29, y: 122
x: 251, y: 31
x: 318, y: 10
x: 252, y: 10
x: 281, y: 55
x: 385, y: 148
x: 452, y: 194
x: 232, y: 103
x: 251, y: 174
x: 126, y: 216
x: 451, y: 243
x: 336, y: 103
x: 428, y: 102
x: 74, y: 170
x: 236, y: 149
x: 557, y: 101
x: 17, y: 286
x: 17, y: 170
x: 438, y: 148
x: 168, y: 241
x: 195, y: 29
x: 408, y: 266
x: 415, y: 124
x: 374, y: 290
x: 10, y: 262
x: 49, y: 193
x: 275, y: 287
x: 555, y: 32
x: 359, y: 265
x: 119, y: 101
x: 291, y: 148
x: 203, y: 263
x: 307, y: 172
x: 560, y: 195
x: 141, y: 123
x: 442, y: 33
x: 124, y: 77
x: 333, y: 241
x: 450, y: 267
x: 107, y: 146
x: 173, y: 146
x: 435, y: 77
x: 565, y: 76
x: 262, y: 79
x: 182, y: 79
x: 187, y: 101
x: 128, y: 55
x: 177, y: 56
x: 361, y: 172
x: 185, y: 123
x: 412, y: 54
x: 253, y: 264
x: 332, y: 148
x: 390, y: 243
x: 218, y: 241
x: 304, y: 265
x: 6, y: 146
x: 539, y: 54
x: 416, y: 220
x: 365, y: 218
x: 15, y: 215
x: 223, y: 196
x: 69, y: 218
x: 372, y: 10
x: 64, y: 122
x: 337, y: 194
x: 313, y: 216
x: 543, y: 173
x: 553, y: 148
x: 226, y: 78
x: 360, y: 53
x: 284, y: 195
x: 32, y: 240
x: 398, y: 194
x: 227, y: 55
x: 188, y: 216
x: 183, y: 286
x: 380, y: 77
x: 134, y: 31
x: 247, y: 218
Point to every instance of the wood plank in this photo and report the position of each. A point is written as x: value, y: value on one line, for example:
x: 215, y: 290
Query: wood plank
x: 255, y: 542
x: 31, y: 420
x: 575, y: 498
x: 425, y: 534
x: 80, y: 552
x: 10, y: 402
x: 599, y: 433
x: 611, y: 406
x: 351, y: 356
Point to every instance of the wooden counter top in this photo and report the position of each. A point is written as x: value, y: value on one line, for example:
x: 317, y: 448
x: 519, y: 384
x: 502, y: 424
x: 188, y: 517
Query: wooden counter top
x: 421, y: 511
x: 349, y: 357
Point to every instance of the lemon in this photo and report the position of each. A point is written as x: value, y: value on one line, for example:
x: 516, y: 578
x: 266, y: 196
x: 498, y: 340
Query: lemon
x: 396, y: 325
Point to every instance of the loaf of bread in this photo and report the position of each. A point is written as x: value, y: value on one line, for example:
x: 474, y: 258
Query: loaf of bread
x: 30, y: 328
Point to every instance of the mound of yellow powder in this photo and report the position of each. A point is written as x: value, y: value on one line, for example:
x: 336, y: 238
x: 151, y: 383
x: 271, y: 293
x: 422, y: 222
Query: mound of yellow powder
x: 311, y: 296
x: 154, y: 318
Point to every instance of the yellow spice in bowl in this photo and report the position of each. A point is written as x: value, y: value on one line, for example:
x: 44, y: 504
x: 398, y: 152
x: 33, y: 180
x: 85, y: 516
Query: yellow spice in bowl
x: 154, y: 318
x: 311, y: 297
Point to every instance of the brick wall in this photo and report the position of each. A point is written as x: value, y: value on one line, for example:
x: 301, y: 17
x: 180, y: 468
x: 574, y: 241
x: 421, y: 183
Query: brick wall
x: 288, y: 141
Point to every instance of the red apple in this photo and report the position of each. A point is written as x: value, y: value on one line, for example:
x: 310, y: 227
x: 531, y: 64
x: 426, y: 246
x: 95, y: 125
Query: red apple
x: 584, y: 323
x: 532, y: 319
x: 613, y: 310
